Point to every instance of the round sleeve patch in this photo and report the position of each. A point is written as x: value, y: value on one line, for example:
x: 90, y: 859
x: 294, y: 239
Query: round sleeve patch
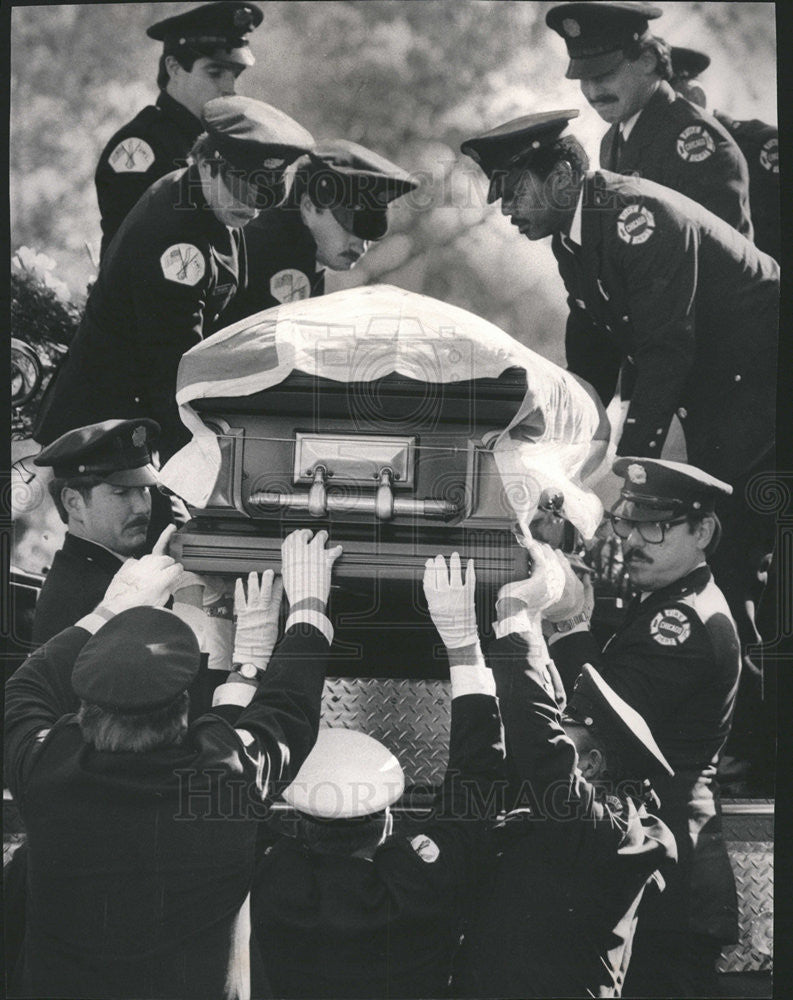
x: 769, y: 155
x: 670, y: 627
x: 695, y: 144
x: 183, y: 263
x: 426, y: 848
x: 635, y: 224
x: 290, y: 285
x: 131, y: 156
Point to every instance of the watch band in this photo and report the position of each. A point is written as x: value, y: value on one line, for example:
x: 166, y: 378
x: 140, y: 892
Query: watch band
x: 568, y: 624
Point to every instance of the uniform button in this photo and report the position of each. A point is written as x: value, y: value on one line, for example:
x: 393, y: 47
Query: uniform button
x: 737, y: 378
x: 659, y: 430
x: 682, y: 413
x: 137, y: 399
x: 625, y: 319
x: 653, y: 444
x: 630, y: 358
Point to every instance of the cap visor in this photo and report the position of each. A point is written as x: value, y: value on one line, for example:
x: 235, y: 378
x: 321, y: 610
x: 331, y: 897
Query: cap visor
x: 144, y: 475
x: 588, y: 66
x: 366, y: 224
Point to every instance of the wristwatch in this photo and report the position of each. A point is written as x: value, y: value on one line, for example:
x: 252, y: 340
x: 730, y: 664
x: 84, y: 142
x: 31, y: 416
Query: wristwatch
x: 570, y: 623
x: 248, y: 671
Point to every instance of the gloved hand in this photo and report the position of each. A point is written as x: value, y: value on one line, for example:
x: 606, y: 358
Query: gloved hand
x: 205, y: 603
x: 543, y: 588
x: 148, y: 581
x: 450, y: 601
x: 577, y: 598
x: 257, y: 618
x: 306, y: 567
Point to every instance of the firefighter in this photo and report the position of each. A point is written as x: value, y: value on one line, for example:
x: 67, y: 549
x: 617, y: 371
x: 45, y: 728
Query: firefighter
x: 204, y: 51
x: 624, y: 73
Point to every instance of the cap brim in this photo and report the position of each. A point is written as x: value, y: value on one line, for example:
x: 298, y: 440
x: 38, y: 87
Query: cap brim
x: 144, y: 475
x: 585, y: 67
x: 366, y: 224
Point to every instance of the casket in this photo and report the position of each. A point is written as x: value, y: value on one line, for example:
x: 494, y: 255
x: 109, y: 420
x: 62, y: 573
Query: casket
x: 357, y: 413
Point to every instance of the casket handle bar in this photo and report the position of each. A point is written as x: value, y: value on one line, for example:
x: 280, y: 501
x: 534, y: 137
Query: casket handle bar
x: 383, y: 504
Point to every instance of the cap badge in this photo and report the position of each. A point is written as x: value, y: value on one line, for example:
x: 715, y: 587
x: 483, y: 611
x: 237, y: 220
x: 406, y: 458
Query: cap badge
x: 571, y: 27
x: 426, y: 848
x: 139, y: 436
x: 670, y: 627
x: 695, y: 144
x: 131, y: 156
x: 637, y: 474
x: 243, y: 19
x: 635, y: 224
x: 183, y: 263
x: 273, y: 162
x: 769, y: 155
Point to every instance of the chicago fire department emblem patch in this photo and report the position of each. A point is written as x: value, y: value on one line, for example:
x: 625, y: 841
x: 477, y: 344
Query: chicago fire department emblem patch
x: 695, y: 144
x: 635, y: 224
x: 290, y: 285
x: 131, y: 156
x: 183, y: 263
x: 670, y: 627
x: 769, y: 156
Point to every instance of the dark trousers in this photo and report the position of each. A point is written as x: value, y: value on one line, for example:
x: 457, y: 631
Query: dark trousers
x: 676, y: 964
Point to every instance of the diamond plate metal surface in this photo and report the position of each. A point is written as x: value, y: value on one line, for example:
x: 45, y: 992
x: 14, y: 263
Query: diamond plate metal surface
x: 411, y: 717
x: 753, y: 865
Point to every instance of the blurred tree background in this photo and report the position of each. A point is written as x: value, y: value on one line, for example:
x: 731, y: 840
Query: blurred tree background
x: 410, y: 78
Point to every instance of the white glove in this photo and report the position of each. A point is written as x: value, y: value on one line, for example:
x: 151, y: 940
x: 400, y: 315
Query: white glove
x: 145, y: 581
x: 306, y: 567
x: 257, y: 618
x: 573, y: 596
x: 546, y: 584
x: 450, y: 601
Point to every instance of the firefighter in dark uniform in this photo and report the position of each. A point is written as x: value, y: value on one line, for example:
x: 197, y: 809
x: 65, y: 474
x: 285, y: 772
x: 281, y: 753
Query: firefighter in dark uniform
x: 758, y: 142
x: 348, y: 909
x: 204, y: 51
x: 176, y: 263
x: 580, y: 846
x: 337, y: 207
x: 684, y: 304
x: 103, y: 474
x: 624, y: 73
x: 676, y: 660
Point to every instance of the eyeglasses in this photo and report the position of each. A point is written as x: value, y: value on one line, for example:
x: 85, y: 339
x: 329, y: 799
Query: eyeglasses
x: 653, y: 532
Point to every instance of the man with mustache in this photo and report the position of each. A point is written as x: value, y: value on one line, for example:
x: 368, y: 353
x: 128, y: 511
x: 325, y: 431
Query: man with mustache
x: 102, y: 478
x: 676, y: 660
x: 204, y: 51
x: 757, y: 140
x: 336, y: 208
x: 670, y: 300
x: 624, y: 73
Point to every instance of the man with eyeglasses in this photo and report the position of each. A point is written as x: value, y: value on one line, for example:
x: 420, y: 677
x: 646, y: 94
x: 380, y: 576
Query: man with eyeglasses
x: 204, y: 51
x: 676, y: 660
x: 175, y: 264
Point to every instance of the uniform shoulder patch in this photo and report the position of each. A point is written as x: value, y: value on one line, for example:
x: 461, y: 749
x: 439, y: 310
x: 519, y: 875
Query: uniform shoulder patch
x: 635, y: 224
x: 670, y: 627
x: 290, y: 285
x: 426, y: 848
x: 769, y: 155
x: 695, y: 144
x: 131, y: 156
x: 183, y: 263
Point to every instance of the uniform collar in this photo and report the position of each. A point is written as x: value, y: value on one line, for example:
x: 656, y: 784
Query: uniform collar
x: 575, y: 226
x: 184, y: 119
x: 626, y: 127
x: 92, y: 551
x: 691, y: 583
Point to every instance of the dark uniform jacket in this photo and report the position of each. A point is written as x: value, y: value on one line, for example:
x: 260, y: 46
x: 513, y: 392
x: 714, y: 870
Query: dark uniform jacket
x: 678, y: 144
x: 168, y: 275
x: 557, y: 914
x: 140, y: 864
x: 282, y: 263
x: 759, y: 144
x: 336, y: 926
x: 154, y: 143
x: 690, y: 305
x: 76, y: 582
x: 675, y: 659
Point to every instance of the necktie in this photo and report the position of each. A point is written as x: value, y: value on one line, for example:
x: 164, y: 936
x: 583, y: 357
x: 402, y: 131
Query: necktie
x: 616, y: 149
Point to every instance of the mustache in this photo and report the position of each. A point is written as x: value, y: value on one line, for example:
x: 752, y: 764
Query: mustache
x: 637, y: 556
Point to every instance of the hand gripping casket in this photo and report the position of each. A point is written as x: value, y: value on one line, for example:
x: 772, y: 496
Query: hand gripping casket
x: 404, y: 426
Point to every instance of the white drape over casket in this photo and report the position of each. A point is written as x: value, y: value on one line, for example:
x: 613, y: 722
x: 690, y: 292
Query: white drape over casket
x: 362, y: 334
